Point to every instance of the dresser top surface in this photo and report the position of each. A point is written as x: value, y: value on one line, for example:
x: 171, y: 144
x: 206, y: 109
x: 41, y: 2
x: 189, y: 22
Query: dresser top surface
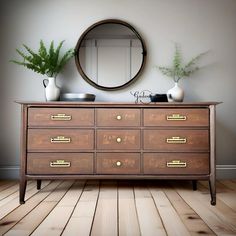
x: 115, y: 104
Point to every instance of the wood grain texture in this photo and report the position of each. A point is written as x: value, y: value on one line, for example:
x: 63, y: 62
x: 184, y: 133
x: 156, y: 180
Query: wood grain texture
x: 80, y: 163
x: 118, y: 163
x: 192, y: 117
x: 108, y: 139
x: 80, y: 139
x: 42, y: 117
x: 156, y: 163
x: 119, y: 208
x: 118, y: 117
x: 196, y: 140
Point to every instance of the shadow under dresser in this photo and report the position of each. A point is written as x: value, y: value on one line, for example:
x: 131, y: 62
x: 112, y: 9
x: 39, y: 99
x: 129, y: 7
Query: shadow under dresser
x: 86, y: 140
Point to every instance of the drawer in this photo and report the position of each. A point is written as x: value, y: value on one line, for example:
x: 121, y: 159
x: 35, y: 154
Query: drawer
x: 176, y: 117
x: 60, y: 117
x: 60, y: 163
x: 176, y: 140
x: 118, y: 117
x: 176, y: 163
x: 60, y: 139
x: 118, y: 163
x: 118, y: 139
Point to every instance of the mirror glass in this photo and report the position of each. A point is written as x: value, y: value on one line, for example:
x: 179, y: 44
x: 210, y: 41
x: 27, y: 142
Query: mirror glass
x: 110, y: 54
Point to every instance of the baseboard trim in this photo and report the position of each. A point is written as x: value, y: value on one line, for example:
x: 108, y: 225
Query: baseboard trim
x: 222, y: 172
x: 226, y: 171
x: 9, y: 172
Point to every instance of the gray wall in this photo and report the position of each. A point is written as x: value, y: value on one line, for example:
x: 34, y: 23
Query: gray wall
x: 198, y: 25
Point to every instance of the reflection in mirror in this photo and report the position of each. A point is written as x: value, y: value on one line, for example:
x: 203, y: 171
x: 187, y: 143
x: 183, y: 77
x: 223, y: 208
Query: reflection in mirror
x: 110, y: 55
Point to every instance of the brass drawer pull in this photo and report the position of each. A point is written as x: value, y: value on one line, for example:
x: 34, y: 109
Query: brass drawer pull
x: 61, y: 117
x: 176, y: 140
x: 119, y: 117
x: 60, y: 139
x: 118, y: 140
x: 176, y: 117
x: 118, y: 163
x: 60, y: 163
x: 176, y: 164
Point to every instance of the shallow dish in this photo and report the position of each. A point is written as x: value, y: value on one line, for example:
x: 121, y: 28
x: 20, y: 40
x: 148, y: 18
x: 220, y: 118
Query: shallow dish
x: 82, y: 97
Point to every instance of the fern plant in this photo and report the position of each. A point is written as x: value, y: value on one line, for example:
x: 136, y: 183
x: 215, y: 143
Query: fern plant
x: 46, y: 62
x: 178, y: 69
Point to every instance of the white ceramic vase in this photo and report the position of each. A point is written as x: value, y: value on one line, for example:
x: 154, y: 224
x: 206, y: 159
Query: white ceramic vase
x: 52, y: 91
x: 175, y: 94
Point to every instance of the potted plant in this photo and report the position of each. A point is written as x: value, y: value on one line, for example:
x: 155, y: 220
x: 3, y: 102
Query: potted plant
x: 46, y: 62
x: 177, y: 71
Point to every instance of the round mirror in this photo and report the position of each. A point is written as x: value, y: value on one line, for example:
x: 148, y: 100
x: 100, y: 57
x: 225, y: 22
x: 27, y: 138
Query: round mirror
x: 110, y: 54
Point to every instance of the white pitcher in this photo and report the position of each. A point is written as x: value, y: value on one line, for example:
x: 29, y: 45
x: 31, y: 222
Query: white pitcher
x: 52, y: 91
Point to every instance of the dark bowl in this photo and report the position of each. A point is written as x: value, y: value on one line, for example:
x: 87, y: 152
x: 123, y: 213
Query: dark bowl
x: 80, y: 97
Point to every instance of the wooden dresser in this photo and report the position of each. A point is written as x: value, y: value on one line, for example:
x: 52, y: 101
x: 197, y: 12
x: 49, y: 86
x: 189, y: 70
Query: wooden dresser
x: 71, y: 140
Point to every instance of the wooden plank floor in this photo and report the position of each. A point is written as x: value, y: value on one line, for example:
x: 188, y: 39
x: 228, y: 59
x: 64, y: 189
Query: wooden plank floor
x: 110, y: 208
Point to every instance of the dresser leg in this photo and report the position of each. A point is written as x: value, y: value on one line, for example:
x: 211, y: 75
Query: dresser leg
x: 194, y: 183
x: 39, y: 184
x: 22, y: 191
x: 213, y: 192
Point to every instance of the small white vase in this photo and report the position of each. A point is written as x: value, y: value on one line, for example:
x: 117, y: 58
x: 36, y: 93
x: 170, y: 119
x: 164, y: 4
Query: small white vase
x: 52, y: 91
x: 175, y: 94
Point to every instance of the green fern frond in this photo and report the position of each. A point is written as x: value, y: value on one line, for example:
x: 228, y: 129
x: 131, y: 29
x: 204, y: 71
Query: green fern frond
x: 178, y: 70
x: 45, y: 61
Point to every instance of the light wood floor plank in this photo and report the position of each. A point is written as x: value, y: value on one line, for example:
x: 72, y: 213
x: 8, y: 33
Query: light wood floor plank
x: 15, y: 195
x: 229, y: 184
x: 203, y: 208
x: 22, y: 210
x: 168, y: 214
x: 14, y: 203
x: 6, y: 184
x: 26, y: 226
x: 224, y: 212
x: 150, y: 222
x: 128, y: 219
x: 114, y: 208
x: 105, y: 221
x: 81, y: 220
x: 59, y: 216
x: 224, y: 193
x: 190, y: 218
x: 6, y: 192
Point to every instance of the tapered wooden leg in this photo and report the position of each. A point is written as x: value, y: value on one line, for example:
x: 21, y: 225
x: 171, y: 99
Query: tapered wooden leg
x: 194, y: 183
x: 22, y: 191
x: 213, y: 192
x: 39, y: 184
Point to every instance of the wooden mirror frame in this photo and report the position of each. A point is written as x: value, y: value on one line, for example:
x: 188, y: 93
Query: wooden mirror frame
x: 79, y: 67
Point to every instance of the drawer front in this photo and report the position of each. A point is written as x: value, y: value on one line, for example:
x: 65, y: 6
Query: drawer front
x: 118, y: 163
x: 60, y: 163
x: 118, y: 117
x: 60, y: 117
x: 176, y: 117
x: 176, y: 163
x: 118, y: 139
x: 176, y: 140
x: 60, y: 139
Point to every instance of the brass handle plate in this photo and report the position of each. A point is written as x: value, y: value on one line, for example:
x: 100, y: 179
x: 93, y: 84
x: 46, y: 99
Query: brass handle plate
x: 60, y: 139
x: 60, y: 163
x: 118, y: 163
x: 119, y: 117
x: 176, y: 164
x: 118, y: 140
x: 61, y: 117
x: 176, y: 117
x: 176, y: 140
